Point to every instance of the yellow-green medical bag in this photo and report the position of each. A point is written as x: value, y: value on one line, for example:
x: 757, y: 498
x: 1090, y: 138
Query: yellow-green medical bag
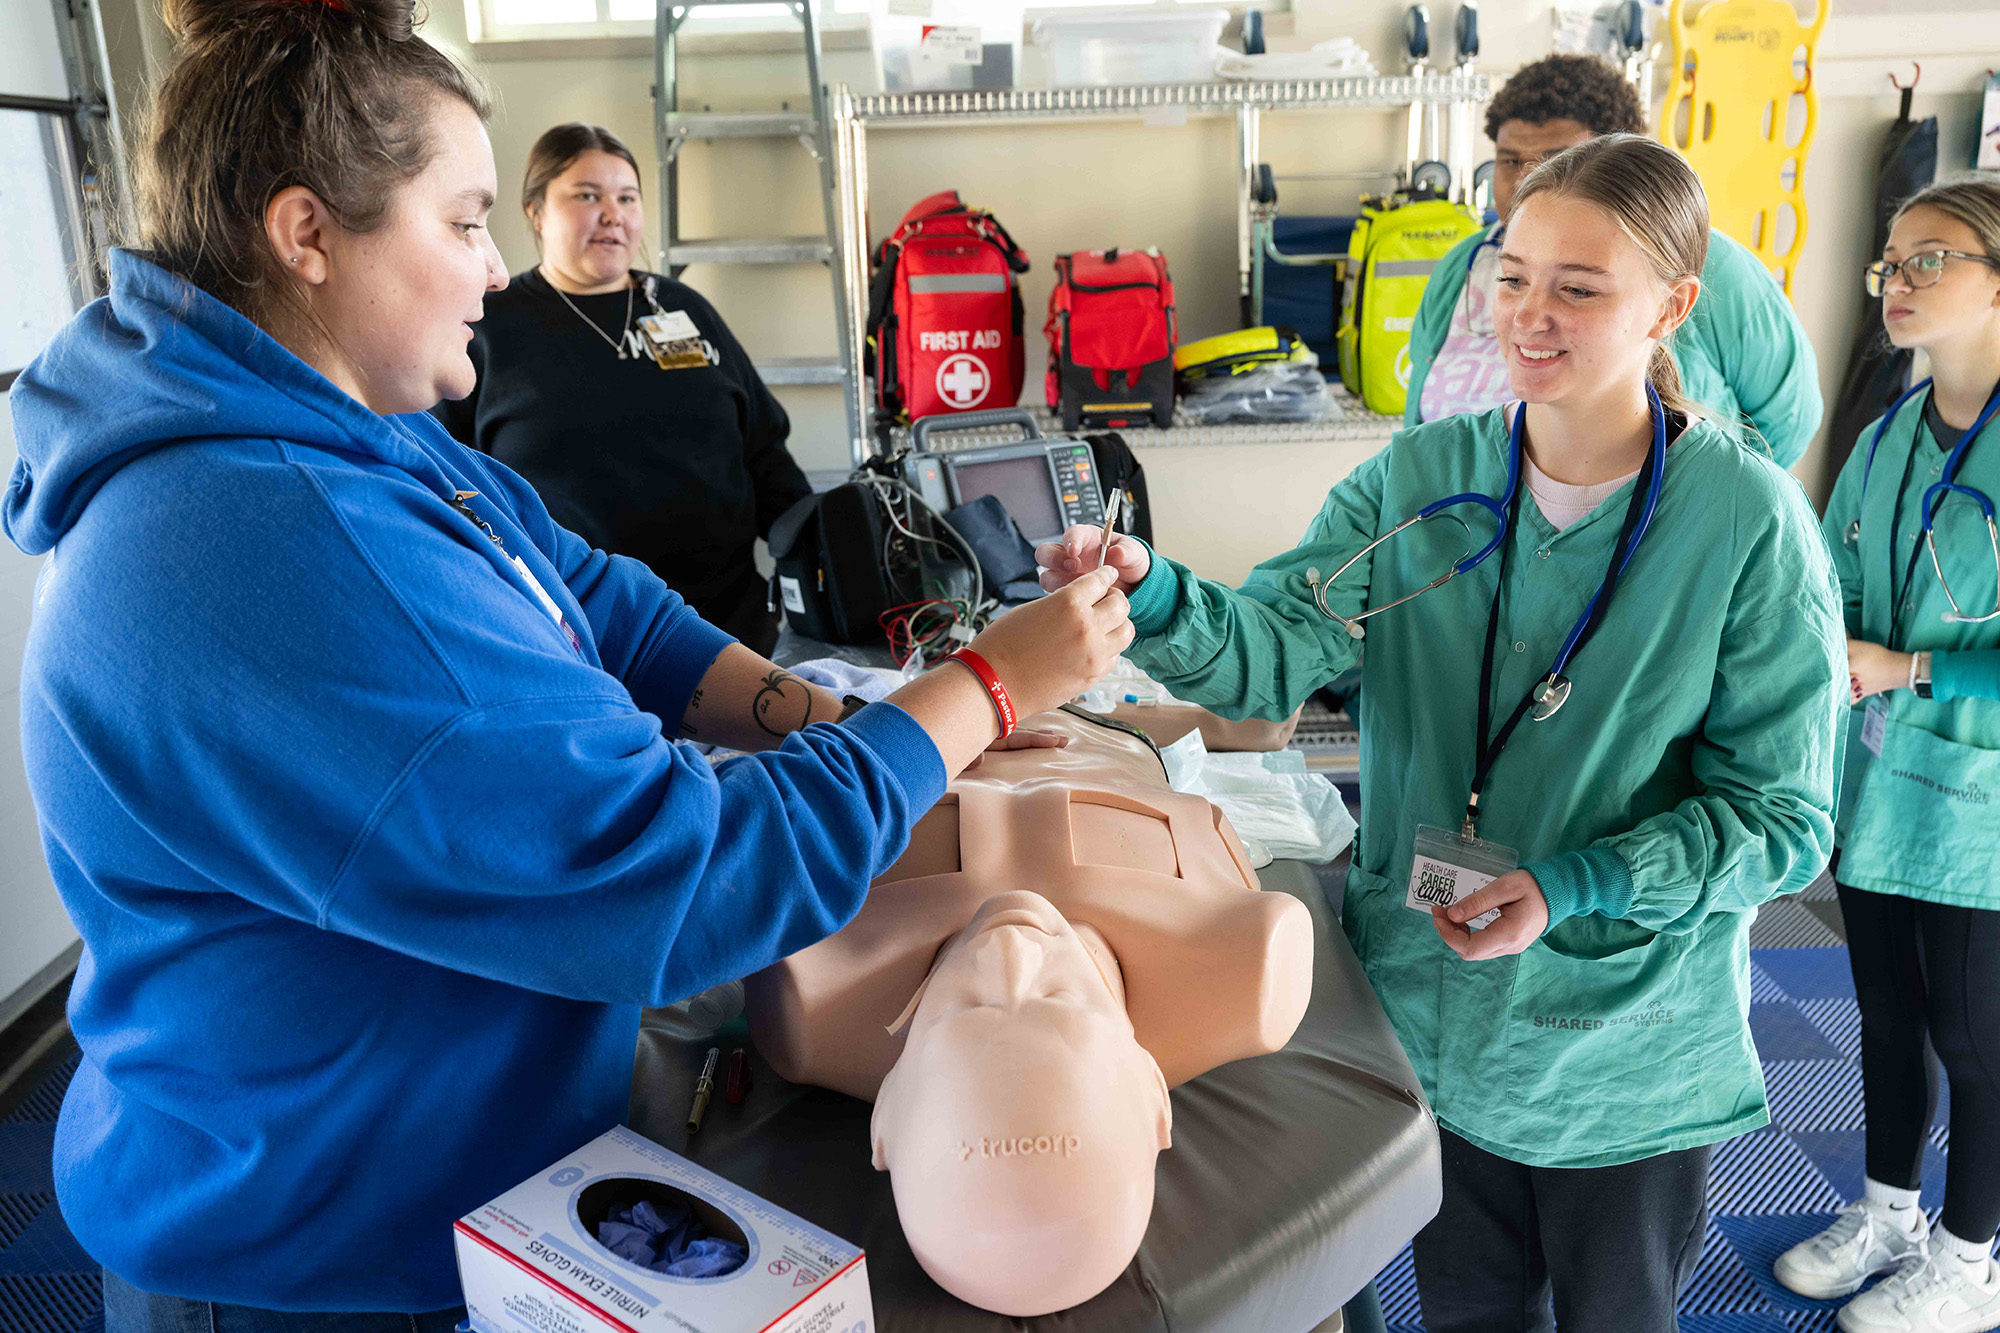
x: 1395, y: 247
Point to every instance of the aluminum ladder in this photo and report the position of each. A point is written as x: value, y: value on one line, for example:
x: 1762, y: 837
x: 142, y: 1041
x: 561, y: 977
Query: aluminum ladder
x: 673, y: 130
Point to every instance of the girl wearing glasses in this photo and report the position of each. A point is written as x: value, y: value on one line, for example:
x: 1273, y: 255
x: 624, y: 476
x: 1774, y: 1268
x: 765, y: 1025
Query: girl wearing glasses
x: 1911, y: 529
x: 1584, y: 1050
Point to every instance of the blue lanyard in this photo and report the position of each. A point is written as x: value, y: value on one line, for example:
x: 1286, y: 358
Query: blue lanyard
x: 1549, y: 694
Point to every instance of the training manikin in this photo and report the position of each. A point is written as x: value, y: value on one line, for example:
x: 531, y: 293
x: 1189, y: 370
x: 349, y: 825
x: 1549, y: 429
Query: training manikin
x: 1064, y: 940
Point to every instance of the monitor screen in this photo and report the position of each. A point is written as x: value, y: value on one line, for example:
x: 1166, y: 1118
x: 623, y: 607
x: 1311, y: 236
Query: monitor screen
x: 1023, y: 485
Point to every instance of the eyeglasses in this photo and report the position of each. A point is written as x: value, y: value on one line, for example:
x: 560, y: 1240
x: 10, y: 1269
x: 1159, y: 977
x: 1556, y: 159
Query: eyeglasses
x: 1923, y: 270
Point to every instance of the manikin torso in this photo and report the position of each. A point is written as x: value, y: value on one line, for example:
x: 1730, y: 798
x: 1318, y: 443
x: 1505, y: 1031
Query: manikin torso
x: 1064, y: 939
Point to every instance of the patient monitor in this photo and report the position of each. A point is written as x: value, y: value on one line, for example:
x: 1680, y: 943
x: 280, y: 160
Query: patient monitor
x: 1065, y: 939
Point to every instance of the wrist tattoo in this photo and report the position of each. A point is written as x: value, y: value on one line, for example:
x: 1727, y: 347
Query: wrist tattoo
x: 693, y: 706
x: 783, y: 704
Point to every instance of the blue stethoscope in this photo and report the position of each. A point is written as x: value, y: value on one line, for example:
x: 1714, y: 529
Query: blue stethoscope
x: 1493, y: 237
x: 1934, y: 497
x: 1554, y: 689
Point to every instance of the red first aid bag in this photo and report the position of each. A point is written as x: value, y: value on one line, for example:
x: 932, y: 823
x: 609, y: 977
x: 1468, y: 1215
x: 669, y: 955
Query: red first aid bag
x: 944, y: 314
x: 1112, y: 332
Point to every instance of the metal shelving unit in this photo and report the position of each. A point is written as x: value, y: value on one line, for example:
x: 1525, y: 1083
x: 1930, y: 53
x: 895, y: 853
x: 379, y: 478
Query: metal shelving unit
x: 1355, y: 424
x: 852, y: 115
x: 944, y: 108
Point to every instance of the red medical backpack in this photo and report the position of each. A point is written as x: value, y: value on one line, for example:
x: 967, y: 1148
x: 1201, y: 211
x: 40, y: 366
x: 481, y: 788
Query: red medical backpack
x: 1111, y: 332
x: 944, y: 314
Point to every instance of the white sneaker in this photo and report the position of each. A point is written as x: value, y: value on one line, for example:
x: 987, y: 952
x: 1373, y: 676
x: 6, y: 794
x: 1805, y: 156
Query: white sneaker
x: 1863, y: 1241
x: 1927, y: 1295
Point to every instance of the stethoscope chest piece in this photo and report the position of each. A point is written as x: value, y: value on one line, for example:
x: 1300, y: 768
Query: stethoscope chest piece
x: 1551, y: 696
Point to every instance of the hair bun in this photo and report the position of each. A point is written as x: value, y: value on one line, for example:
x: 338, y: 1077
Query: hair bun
x: 206, y: 20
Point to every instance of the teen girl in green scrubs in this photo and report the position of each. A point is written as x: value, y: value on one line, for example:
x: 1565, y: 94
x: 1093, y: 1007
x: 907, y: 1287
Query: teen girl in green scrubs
x: 1635, y: 701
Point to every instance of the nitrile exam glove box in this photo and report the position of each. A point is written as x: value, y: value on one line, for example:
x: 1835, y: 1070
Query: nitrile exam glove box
x: 530, y: 1261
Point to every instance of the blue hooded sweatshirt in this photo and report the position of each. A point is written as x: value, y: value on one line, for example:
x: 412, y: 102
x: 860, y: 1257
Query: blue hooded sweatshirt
x: 373, y: 865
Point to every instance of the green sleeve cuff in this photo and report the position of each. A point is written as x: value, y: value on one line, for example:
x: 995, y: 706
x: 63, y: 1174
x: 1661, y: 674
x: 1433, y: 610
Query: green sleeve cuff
x: 1965, y: 673
x: 1593, y: 882
x: 1156, y: 598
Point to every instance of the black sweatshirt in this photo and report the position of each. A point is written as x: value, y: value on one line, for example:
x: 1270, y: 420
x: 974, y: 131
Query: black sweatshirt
x: 683, y: 469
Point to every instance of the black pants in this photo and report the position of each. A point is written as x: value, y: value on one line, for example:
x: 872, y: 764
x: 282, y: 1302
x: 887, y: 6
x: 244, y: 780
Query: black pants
x: 1928, y: 970
x: 1613, y: 1245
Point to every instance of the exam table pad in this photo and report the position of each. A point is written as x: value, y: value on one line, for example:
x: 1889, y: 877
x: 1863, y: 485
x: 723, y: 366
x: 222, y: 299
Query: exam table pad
x: 1293, y: 1177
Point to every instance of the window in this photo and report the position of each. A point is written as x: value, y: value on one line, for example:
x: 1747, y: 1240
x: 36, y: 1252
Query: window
x: 510, y: 20
x: 42, y: 247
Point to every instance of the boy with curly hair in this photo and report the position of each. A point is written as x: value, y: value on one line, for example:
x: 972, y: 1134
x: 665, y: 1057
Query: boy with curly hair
x: 1742, y: 355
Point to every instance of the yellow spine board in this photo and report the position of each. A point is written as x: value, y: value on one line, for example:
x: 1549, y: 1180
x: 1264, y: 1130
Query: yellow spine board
x: 1740, y: 63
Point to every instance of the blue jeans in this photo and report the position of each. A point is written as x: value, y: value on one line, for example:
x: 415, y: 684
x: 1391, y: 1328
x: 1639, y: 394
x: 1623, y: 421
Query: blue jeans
x: 129, y: 1310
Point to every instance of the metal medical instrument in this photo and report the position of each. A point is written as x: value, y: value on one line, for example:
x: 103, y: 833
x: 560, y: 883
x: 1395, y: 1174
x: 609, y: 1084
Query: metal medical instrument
x: 1554, y: 690
x: 1934, y: 498
x: 1466, y: 562
x: 1111, y: 507
x: 704, y: 1088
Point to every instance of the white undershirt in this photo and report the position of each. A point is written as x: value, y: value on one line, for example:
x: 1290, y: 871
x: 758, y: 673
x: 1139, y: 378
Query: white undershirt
x: 1562, y: 504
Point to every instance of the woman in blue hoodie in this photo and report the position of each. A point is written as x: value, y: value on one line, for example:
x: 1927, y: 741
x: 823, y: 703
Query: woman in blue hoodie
x: 349, y: 762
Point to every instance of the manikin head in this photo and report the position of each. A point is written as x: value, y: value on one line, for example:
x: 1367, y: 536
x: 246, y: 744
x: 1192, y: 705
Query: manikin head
x: 1022, y: 1123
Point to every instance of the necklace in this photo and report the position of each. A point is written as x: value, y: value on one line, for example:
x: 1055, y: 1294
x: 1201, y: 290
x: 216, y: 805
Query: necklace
x: 617, y: 344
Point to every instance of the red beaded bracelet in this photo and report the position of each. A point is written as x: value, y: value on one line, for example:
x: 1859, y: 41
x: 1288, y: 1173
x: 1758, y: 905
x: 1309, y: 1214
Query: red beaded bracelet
x: 983, y: 669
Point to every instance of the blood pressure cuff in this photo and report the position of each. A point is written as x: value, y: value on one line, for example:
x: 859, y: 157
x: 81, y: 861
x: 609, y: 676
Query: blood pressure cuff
x: 1005, y: 557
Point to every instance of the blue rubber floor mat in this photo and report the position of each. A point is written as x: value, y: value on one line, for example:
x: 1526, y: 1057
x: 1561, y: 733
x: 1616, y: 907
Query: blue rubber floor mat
x: 1771, y: 1189
x: 47, y: 1283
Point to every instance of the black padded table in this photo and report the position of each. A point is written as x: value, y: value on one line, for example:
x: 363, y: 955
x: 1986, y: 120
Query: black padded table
x: 1293, y: 1177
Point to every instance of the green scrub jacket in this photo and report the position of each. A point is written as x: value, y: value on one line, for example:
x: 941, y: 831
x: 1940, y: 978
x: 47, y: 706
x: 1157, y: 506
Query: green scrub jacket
x: 1923, y: 819
x: 1689, y: 778
x: 1742, y: 353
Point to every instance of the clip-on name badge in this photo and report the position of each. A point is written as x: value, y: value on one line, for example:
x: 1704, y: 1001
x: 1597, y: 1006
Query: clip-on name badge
x: 673, y: 339
x: 1875, y: 725
x: 1446, y: 867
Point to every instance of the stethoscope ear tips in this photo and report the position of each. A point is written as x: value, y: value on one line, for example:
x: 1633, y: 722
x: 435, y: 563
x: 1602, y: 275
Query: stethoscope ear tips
x: 1355, y: 629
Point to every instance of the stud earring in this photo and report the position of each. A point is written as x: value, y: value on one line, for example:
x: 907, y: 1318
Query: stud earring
x: 295, y: 259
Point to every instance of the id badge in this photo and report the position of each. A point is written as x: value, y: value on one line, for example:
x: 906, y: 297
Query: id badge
x: 1875, y: 725
x: 669, y: 326
x: 548, y: 603
x: 673, y: 340
x: 1445, y: 868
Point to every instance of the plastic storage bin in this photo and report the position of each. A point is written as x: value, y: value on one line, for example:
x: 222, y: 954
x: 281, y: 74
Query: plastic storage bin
x: 1161, y: 44
x: 939, y: 45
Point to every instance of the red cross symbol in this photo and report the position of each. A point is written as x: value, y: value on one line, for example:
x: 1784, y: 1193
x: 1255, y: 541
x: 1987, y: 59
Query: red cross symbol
x: 962, y: 380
